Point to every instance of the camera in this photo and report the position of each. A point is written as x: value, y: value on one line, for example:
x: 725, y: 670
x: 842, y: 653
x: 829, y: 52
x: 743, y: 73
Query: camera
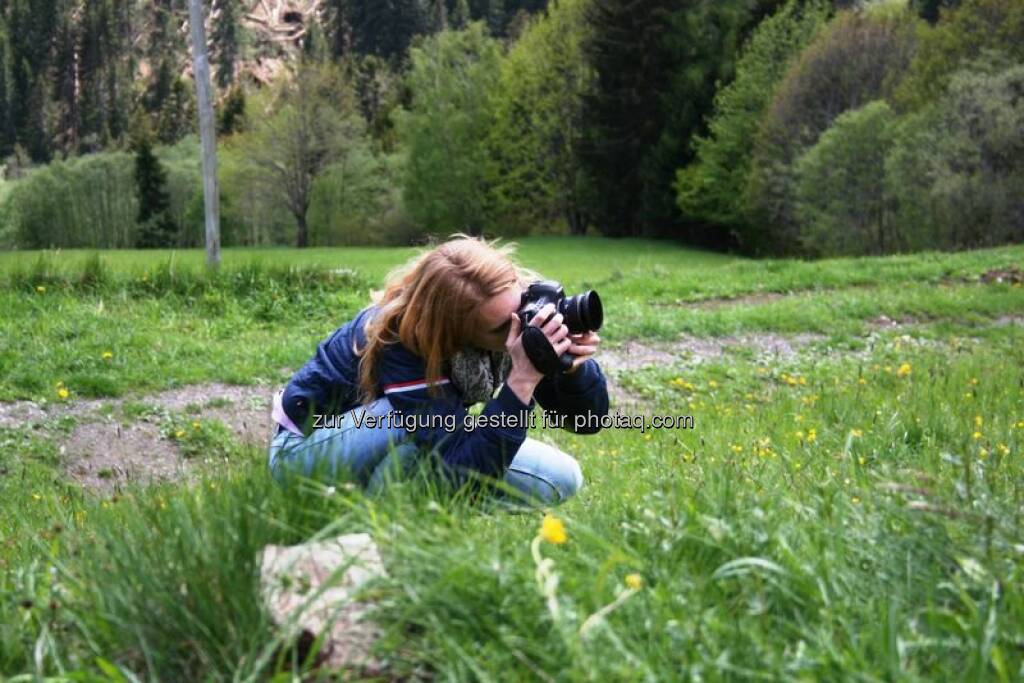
x: 580, y: 313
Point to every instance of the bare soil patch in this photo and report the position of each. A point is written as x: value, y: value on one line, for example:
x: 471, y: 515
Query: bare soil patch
x: 107, y: 448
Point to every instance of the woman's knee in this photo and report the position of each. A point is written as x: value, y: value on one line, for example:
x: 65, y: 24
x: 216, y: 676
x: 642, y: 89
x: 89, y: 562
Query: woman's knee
x: 545, y: 472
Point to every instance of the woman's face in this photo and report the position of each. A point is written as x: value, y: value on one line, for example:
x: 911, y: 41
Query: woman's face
x: 494, y: 315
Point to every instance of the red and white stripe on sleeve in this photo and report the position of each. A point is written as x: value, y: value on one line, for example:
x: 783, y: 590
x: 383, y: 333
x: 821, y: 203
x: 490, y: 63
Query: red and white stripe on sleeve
x: 412, y: 385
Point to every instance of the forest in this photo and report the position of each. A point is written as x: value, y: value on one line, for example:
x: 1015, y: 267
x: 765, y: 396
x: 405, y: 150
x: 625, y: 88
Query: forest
x: 766, y: 127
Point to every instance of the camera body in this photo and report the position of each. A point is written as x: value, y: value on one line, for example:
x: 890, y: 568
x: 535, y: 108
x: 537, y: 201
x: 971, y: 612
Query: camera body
x: 580, y: 313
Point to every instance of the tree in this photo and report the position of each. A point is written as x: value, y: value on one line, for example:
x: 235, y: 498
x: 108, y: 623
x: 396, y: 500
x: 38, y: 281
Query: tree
x: 656, y: 64
x: 966, y: 33
x: 315, y: 123
x: 840, y: 186
x: 386, y: 27
x: 156, y: 229
x: 447, y: 185
x: 957, y: 168
x: 537, y: 130
x: 226, y: 42
x: 711, y: 189
x: 852, y: 62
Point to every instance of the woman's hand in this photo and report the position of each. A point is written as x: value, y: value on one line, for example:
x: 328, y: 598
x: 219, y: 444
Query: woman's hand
x: 523, y: 378
x: 583, y: 347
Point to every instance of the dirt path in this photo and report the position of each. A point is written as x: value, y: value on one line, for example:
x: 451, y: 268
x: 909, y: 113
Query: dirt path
x: 114, y: 441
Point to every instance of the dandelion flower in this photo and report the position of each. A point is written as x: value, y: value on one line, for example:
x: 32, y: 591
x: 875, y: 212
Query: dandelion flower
x: 552, y: 530
x: 63, y: 393
x: 195, y: 425
x: 40, y: 289
x: 976, y: 435
x: 107, y: 355
x: 180, y: 433
x: 36, y: 496
x: 903, y: 370
x: 861, y: 380
x: 634, y: 581
x: 978, y: 421
x: 855, y: 499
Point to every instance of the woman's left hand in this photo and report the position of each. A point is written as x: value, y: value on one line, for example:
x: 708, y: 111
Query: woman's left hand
x: 583, y: 347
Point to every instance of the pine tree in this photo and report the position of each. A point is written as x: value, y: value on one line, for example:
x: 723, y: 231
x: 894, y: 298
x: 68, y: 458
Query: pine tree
x: 92, y: 64
x: 338, y: 27
x: 65, y: 81
x: 623, y: 117
x: 438, y: 15
x: 232, y: 116
x: 226, y: 42
x: 6, y: 130
x: 155, y: 228
x: 386, y: 27
x: 461, y: 16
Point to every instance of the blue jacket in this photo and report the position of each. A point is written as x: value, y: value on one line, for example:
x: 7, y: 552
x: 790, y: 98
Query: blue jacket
x: 328, y: 384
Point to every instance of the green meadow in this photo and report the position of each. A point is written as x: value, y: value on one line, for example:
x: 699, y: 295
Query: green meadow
x: 848, y: 509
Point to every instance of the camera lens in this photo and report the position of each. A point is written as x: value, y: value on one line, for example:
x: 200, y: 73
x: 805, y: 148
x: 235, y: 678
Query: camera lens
x: 583, y: 312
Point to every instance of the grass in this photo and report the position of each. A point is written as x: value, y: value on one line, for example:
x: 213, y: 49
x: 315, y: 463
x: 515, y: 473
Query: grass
x: 849, y: 513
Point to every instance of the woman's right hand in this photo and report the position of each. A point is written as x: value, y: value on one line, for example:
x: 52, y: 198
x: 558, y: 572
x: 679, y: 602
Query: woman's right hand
x: 523, y: 378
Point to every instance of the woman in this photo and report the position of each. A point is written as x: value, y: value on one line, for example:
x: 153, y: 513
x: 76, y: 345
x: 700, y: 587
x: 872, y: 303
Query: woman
x: 394, y: 382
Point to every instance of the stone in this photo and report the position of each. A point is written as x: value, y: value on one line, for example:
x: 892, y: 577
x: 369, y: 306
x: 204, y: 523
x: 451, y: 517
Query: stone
x: 314, y: 587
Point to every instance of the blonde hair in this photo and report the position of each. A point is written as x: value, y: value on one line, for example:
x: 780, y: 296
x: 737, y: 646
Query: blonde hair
x: 431, y: 304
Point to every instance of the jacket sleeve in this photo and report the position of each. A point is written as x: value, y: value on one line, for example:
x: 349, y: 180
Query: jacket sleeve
x: 492, y: 440
x: 322, y: 385
x: 583, y: 393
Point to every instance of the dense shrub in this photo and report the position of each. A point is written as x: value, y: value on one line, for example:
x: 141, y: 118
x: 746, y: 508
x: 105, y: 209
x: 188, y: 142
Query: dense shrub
x: 852, y: 62
x: 957, y: 169
x: 86, y: 201
x: 840, y: 189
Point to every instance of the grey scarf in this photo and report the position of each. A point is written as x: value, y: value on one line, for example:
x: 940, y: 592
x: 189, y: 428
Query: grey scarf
x: 477, y: 373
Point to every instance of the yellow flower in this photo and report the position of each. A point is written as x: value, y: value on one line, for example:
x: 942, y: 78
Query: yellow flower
x: 812, y: 435
x: 798, y: 434
x: 978, y: 421
x: 63, y: 393
x: 983, y: 452
x: 855, y: 499
x: 736, y: 448
x: 36, y: 496
x: 712, y: 383
x: 976, y: 435
x: 40, y: 289
x: 1003, y: 449
x: 180, y: 433
x: 634, y: 581
x: 861, y: 380
x: 195, y: 425
x: 107, y: 355
x: 974, y: 380
x: 903, y: 370
x: 856, y: 433
x: 552, y: 530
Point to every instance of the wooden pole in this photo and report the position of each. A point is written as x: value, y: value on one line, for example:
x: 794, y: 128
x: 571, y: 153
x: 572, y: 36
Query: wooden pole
x: 207, y: 133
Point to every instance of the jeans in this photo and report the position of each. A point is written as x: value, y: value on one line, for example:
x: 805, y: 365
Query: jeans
x: 366, y: 455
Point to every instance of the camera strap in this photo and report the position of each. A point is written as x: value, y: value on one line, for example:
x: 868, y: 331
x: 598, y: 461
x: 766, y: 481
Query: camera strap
x: 540, y: 351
